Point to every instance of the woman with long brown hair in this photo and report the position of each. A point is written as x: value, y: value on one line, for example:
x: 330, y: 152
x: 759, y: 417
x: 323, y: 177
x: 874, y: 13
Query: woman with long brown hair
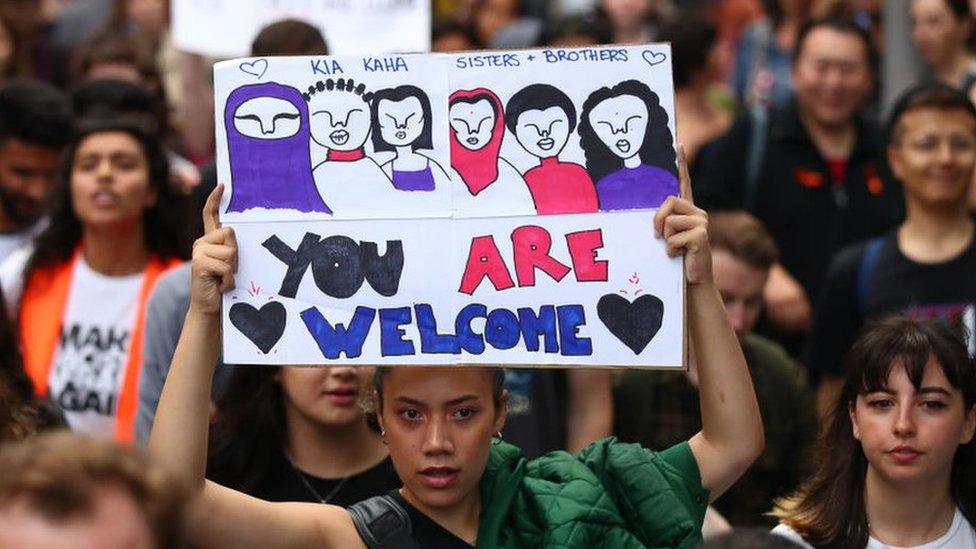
x: 897, y: 465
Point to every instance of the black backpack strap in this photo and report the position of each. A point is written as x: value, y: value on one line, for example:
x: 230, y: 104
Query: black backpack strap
x: 383, y: 523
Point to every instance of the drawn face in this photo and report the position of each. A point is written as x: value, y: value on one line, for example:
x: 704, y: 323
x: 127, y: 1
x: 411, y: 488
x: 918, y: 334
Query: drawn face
x: 340, y: 120
x: 543, y: 133
x: 267, y: 118
x: 401, y: 122
x: 621, y: 122
x: 473, y: 122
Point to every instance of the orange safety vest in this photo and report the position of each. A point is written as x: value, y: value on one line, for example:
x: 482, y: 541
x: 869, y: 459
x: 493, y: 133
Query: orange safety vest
x: 42, y: 309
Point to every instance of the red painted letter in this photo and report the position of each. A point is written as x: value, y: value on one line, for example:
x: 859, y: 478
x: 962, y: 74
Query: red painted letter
x: 532, y: 245
x: 582, y: 248
x: 485, y: 260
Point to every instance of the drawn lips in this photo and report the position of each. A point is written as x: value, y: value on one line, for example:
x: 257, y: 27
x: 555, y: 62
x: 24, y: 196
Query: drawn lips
x: 472, y: 141
x: 546, y: 143
x: 339, y: 137
x: 401, y: 134
x: 623, y: 145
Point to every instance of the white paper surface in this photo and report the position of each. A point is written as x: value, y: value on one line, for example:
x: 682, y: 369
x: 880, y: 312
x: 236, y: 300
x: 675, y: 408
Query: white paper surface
x: 226, y: 28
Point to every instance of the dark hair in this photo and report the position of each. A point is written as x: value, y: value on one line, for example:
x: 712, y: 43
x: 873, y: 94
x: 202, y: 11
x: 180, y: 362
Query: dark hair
x: 400, y: 93
x: 932, y: 95
x: 164, y: 223
x: 57, y: 475
x: 843, y: 25
x: 34, y: 112
x: 446, y: 27
x: 248, y: 430
x: 775, y: 12
x: 692, y: 38
x: 749, y: 538
x: 338, y: 84
x: 289, y: 37
x: 538, y: 97
x: 829, y: 509
x: 959, y: 9
x: 577, y: 25
x: 495, y: 374
x: 108, y: 98
x: 744, y: 237
x: 12, y: 372
x: 657, y: 148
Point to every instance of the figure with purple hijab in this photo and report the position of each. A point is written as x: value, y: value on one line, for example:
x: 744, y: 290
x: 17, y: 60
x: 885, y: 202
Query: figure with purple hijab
x: 401, y: 122
x: 628, y: 146
x: 268, y: 135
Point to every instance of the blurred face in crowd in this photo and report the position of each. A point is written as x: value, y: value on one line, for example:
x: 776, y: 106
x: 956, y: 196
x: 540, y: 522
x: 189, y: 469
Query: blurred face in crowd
x: 115, y: 522
x: 934, y: 155
x: 27, y: 172
x: 741, y: 286
x: 831, y: 76
x: 438, y: 424
x: 491, y: 16
x: 110, y: 185
x: 909, y: 434
x: 324, y: 396
x: 937, y: 32
x: 627, y: 14
x: 150, y: 16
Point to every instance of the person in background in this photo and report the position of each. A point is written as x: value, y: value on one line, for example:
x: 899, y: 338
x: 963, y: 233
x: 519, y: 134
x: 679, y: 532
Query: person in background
x: 763, y: 63
x: 657, y: 409
x: 299, y: 434
x: 698, y: 61
x: 896, y: 466
x: 941, y: 30
x: 80, y: 291
x: 450, y: 36
x: 502, y: 24
x: 631, y: 21
x: 35, y: 125
x: 925, y: 266
x: 812, y: 171
x: 574, y: 31
x: 65, y: 490
x: 170, y: 300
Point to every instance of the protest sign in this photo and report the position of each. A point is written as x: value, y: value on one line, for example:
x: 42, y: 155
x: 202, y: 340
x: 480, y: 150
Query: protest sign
x: 482, y: 208
x: 226, y: 28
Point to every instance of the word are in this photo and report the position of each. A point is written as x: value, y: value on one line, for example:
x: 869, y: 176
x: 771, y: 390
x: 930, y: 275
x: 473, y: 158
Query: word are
x: 552, y: 329
x: 339, y: 264
x: 530, y: 247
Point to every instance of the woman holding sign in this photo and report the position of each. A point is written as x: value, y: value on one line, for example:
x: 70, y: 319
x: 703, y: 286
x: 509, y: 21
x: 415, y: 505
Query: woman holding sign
x: 463, y: 486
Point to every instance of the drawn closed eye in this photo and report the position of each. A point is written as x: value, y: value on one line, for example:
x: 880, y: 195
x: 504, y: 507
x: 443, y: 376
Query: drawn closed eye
x: 606, y: 123
x: 285, y: 116
x: 629, y: 118
x: 251, y: 117
x: 467, y: 128
x: 538, y: 130
x: 482, y: 121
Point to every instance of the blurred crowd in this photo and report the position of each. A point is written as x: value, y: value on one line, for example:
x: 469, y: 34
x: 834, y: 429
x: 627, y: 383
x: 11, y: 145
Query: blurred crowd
x: 833, y: 143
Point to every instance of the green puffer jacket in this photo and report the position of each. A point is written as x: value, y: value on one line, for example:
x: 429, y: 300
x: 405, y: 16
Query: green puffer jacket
x: 610, y: 494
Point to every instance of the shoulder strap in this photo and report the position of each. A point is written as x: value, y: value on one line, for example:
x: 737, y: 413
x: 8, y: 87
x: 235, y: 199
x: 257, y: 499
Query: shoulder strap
x: 383, y: 523
x: 865, y: 271
x: 755, y: 155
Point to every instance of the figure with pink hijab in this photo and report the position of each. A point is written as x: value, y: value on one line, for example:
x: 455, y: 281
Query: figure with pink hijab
x: 492, y: 186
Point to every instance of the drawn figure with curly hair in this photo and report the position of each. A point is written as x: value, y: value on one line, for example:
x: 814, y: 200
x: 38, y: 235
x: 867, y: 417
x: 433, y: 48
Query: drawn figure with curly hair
x: 628, y: 146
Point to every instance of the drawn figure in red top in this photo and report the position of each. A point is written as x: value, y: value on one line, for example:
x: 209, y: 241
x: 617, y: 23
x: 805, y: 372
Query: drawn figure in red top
x: 542, y: 118
x: 477, y: 123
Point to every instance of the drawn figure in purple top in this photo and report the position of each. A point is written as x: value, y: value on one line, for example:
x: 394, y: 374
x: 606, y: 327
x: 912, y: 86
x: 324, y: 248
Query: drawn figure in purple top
x: 268, y: 133
x: 401, y: 122
x: 628, y: 146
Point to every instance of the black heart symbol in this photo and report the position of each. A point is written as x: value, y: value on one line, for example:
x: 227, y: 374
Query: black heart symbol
x: 263, y: 327
x: 635, y: 324
x: 255, y: 68
x: 654, y: 57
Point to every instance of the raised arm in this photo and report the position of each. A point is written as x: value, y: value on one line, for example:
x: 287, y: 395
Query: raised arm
x: 221, y: 517
x: 731, y: 437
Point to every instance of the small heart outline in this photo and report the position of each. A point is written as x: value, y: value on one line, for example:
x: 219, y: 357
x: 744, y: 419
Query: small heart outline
x: 255, y: 68
x: 653, y: 58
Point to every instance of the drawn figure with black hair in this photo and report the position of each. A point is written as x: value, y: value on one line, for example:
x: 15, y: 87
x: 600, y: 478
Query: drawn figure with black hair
x: 542, y: 117
x: 493, y: 185
x: 348, y: 180
x: 401, y: 122
x: 268, y: 148
x: 628, y: 146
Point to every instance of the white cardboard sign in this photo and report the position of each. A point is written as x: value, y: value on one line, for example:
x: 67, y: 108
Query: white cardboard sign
x: 226, y: 28
x: 482, y: 208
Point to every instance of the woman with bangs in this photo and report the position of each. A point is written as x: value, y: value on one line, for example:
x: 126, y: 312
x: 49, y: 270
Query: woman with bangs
x: 897, y: 466
x: 463, y: 486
